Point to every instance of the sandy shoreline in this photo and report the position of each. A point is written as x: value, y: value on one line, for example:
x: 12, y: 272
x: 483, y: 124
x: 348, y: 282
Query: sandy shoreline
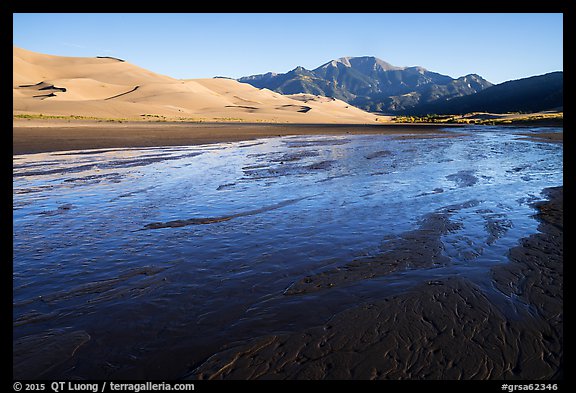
x: 58, y: 135
x: 417, y: 334
x: 443, y: 329
x: 41, y: 136
x: 545, y: 137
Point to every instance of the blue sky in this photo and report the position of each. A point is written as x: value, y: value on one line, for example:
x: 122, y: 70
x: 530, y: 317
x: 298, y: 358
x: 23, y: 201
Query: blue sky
x: 498, y: 47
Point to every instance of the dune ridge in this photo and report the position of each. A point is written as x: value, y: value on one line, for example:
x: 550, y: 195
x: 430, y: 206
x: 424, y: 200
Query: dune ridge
x: 109, y: 87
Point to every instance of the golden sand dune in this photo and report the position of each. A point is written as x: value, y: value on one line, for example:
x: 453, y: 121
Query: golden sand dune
x: 113, y: 88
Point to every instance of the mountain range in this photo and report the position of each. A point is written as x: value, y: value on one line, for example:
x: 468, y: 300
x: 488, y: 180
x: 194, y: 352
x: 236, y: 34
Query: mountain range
x: 374, y: 85
x: 371, y: 84
x: 533, y: 94
x: 336, y: 92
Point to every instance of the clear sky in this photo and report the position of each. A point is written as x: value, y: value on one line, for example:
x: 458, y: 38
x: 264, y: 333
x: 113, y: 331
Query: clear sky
x: 498, y: 47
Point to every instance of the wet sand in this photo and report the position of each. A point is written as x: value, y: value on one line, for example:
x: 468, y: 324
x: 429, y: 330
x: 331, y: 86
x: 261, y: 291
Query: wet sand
x: 443, y: 329
x: 37, y: 136
x: 421, y: 248
x: 545, y: 137
x: 448, y: 327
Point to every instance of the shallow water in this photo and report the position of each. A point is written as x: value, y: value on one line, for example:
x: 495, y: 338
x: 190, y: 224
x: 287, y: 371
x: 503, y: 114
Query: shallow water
x: 141, y: 263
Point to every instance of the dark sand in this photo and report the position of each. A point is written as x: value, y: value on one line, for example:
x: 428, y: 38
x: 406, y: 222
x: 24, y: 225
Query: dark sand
x: 443, y: 329
x: 37, y: 136
x: 421, y: 248
x: 545, y: 136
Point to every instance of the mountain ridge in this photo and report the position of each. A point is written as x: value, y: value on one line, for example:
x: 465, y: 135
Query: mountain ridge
x: 532, y: 94
x: 370, y: 83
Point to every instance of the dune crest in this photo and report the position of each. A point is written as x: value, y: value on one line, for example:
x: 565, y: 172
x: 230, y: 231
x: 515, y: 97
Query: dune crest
x: 109, y: 87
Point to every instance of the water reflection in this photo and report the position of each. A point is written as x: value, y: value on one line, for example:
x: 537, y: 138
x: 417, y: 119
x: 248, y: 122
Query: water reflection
x: 120, y: 301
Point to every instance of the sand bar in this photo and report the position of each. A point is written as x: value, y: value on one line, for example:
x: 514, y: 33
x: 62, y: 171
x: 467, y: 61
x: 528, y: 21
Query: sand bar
x: 37, y: 136
x: 545, y: 136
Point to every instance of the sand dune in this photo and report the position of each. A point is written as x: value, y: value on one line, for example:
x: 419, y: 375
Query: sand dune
x: 113, y: 88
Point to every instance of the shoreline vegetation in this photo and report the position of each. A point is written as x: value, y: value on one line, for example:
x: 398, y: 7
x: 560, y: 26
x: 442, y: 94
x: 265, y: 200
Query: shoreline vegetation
x: 483, y: 118
x: 552, y: 118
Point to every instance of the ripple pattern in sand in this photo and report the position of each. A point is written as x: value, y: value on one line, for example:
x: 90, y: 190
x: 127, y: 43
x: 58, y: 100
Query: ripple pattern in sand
x: 338, y: 221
